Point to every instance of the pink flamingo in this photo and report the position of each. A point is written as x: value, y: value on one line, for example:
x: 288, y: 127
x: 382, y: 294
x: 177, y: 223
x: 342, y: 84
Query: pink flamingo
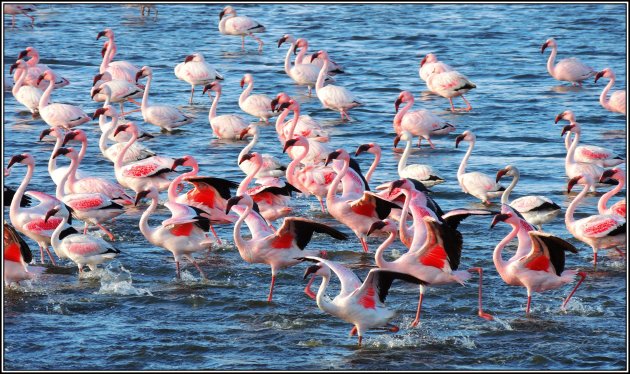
x: 475, y: 183
x: 271, y: 165
x: 618, y: 208
x: 17, y: 255
x: 358, y: 303
x: 599, y: 231
x: 35, y: 69
x: 541, y: 268
x: 118, y: 69
x: 302, y: 45
x: 56, y: 114
x: 57, y: 173
x: 568, y: 69
x: 278, y: 249
x: 317, y: 151
x: 257, y: 105
x: 26, y: 95
x: 15, y: 9
x: 420, y: 172
x: 305, y: 124
x: 302, y: 74
x: 617, y: 101
x: 231, y: 24
x: 226, y: 126
x: 421, y: 123
x: 196, y: 71
x: 333, y: 97
x: 431, y: 65
x: 450, y: 84
x: 573, y: 167
x: 105, y: 88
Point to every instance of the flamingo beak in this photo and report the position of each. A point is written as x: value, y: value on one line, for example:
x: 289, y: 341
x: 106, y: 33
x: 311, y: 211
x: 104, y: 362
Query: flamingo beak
x: 284, y: 106
x: 100, y: 34
x: 314, y: 56
x: 22, y: 54
x: 608, y: 173
x: 397, y: 104
x: 97, y: 78
x: 394, y: 185
x: 61, y: 151
x: 281, y: 40
x: 14, y: 159
x: 459, y: 139
x: 331, y: 156
x: 120, y: 129
x: 189, y: 58
x: 499, y: 218
x: 362, y: 148
x: 231, y: 202
x: 13, y: 67
x: 51, y: 213
x: 221, y: 15
x: 313, y: 269
x: 178, y: 162
x: 424, y: 60
x: 598, y: 75
x: 396, y: 140
x: 96, y: 92
x: 288, y: 143
x: 500, y: 173
x: 44, y: 133
x: 378, y: 225
x: 243, y: 134
x: 69, y: 136
x: 274, y: 103
x: 566, y: 129
x: 242, y: 82
x: 140, y: 195
x: 99, y: 112
x: 544, y: 46
x: 138, y: 75
x: 207, y: 87
x: 572, y: 182
x: 246, y: 157
x: 146, y: 135
x: 559, y: 117
x: 40, y: 79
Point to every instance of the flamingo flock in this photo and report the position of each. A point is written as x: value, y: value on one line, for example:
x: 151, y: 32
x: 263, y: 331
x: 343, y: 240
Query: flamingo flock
x: 196, y: 203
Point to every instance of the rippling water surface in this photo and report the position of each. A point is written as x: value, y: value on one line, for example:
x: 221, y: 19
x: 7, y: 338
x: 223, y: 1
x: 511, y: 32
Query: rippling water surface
x: 134, y: 314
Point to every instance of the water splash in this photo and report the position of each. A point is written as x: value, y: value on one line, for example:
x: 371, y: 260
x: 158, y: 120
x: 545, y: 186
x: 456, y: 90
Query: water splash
x: 116, y: 280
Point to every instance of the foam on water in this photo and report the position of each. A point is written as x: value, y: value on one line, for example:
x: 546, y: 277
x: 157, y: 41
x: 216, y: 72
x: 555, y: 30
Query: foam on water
x: 116, y: 280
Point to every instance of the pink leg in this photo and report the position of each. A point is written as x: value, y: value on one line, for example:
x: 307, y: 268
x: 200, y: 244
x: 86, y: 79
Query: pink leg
x: 594, y: 259
x: 134, y: 101
x: 203, y: 275
x: 85, y: 229
x: 52, y: 259
x: 321, y: 203
x: 273, y: 281
x: 192, y: 91
x: 419, y: 141
x: 243, y: 42
x: 468, y: 106
x: 417, y: 320
x: 13, y: 22
x: 529, y: 302
x: 431, y: 143
x: 452, y: 107
x: 260, y: 42
x: 309, y: 91
x: 308, y: 291
x: 583, y: 276
x: 360, y: 339
x: 215, y: 235
x: 111, y: 236
x: 353, y: 332
x: 177, y: 272
x: 620, y: 252
x: 129, y: 112
x: 323, y: 254
x: 364, y: 244
x: 41, y: 255
x: 32, y: 20
x: 481, y: 312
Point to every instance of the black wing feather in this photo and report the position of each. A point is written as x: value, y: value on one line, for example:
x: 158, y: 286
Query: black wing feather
x: 383, y: 279
x: 222, y: 186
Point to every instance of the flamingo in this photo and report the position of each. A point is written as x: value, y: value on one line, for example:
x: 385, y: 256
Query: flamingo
x: 164, y: 116
x: 420, y: 123
x: 317, y: 151
x: 35, y: 69
x: 374, y: 149
x: 135, y: 153
x: 592, y: 154
x: 15, y: 9
x: 333, y: 97
x: 568, y: 69
x: 115, y: 91
x: 231, y: 24
x: 475, y: 183
x: 450, y: 84
x: 431, y: 65
x: 432, y: 263
x: 30, y: 220
x: 302, y: 74
x: 356, y: 213
x: 617, y: 101
x: 57, y: 173
x: 277, y: 249
x: 90, y: 207
x: 196, y: 71
x: 80, y: 248
x: 618, y: 208
x: 305, y: 125
x: 26, y: 95
x: 56, y: 114
x: 541, y: 268
x: 271, y: 166
x: 535, y: 208
x: 599, y: 231
x: 423, y: 173
x: 255, y: 105
x: 118, y: 69
x: 359, y: 303
x: 302, y: 45
x: 226, y: 126
x: 148, y: 8
x: 17, y: 255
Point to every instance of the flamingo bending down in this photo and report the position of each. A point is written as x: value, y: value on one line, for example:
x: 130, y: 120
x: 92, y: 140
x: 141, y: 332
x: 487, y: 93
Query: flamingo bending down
x: 35, y: 69
x: 431, y: 263
x: 226, y: 126
x: 618, y: 208
x: 118, y: 69
x: 231, y: 24
x: 568, y: 69
x: 305, y: 125
x: 164, y: 116
x: 592, y: 154
x: 535, y: 209
x: 431, y: 65
x: 110, y: 90
x: 80, y: 248
x: 333, y: 97
x: 56, y: 114
x: 255, y: 105
x: 302, y: 45
x: 196, y: 71
x: 359, y: 303
x: 475, y: 183
x: 278, y: 249
x: 15, y: 9
x: 30, y: 220
x: 302, y: 74
x: 541, y: 268
x: 420, y: 172
x: 271, y: 166
x: 617, y: 101
x: 26, y: 95
x: 17, y: 255
x: 599, y: 231
x: 450, y: 84
x: 420, y: 123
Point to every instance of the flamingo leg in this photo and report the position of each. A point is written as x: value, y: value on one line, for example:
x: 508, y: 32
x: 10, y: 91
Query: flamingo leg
x: 109, y: 234
x: 364, y: 244
x: 129, y: 112
x: 41, y: 254
x: 192, y: 260
x: 430, y: 143
x: 309, y: 91
x: 360, y: 339
x: 273, y: 281
x: 583, y: 276
x: 52, y: 259
x: 468, y: 106
x: 32, y: 20
x: 321, y: 203
x: 452, y: 107
x: 481, y: 312
x: 273, y: 228
x: 13, y: 22
x: 192, y: 91
x: 243, y: 42
x: 215, y: 235
x: 85, y: 228
x: 260, y: 42
x: 417, y: 320
x: 353, y: 332
x: 594, y: 258
x: 177, y: 270
x: 529, y: 302
x: 308, y: 291
x: 134, y: 101
x: 620, y: 252
x: 122, y: 111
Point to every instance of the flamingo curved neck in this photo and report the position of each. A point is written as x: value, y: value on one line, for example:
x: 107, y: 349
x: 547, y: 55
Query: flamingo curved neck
x: 61, y: 187
x: 569, y: 220
x: 301, y: 54
x: 331, y: 195
x: 499, y: 263
x: 145, y: 229
x: 172, y: 194
x: 402, y: 163
x: 34, y: 60
x: 280, y: 124
x: 245, y: 93
x: 106, y: 131
x: 55, y: 242
x: 506, y: 194
x: 551, y: 68
x: 52, y: 162
x: 322, y: 301
x: 603, y: 100
x: 603, y: 201
x: 72, y: 178
x: 21, y: 75
x: 44, y: 101
x: 14, y: 209
x: 380, y: 260
x: 145, y: 95
x: 249, y: 145
x: 213, y: 109
x: 291, y: 169
x: 243, y: 245
x: 322, y: 76
x: 222, y: 24
x: 377, y: 159
x: 296, y: 115
x: 121, y: 156
x: 242, y: 187
x: 287, y: 59
x: 401, y: 113
x: 462, y: 167
x: 404, y: 230
x: 570, y: 159
x: 107, y: 57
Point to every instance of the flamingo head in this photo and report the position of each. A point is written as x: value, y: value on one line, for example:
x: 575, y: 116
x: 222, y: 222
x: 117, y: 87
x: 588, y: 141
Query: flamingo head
x: 151, y: 193
x: 285, y: 38
x: 124, y: 127
x: 300, y: 43
x: 430, y: 57
x: 51, y: 131
x: 318, y: 269
x: 74, y: 135
x: 68, y: 152
x: 247, y: 79
x: 508, y: 170
x: 606, y: 73
x: 185, y: 161
x: 291, y: 143
x: 399, y: 185
x: 235, y: 200
x: 144, y: 72
x: 501, y: 217
x: 227, y: 10
x: 385, y: 225
x: 105, y: 77
x: 52, y: 212
x: 466, y: 135
x: 573, y: 127
x: 108, y: 33
x: 249, y: 156
x: 369, y: 147
x: 567, y: 115
x: 213, y: 86
x: 614, y: 173
x: 47, y: 75
x: 23, y: 53
x: 246, y: 131
x: 189, y: 58
x: 551, y: 42
x: 107, y: 110
x: 403, y: 97
x: 280, y: 98
x: 319, y: 54
x: 584, y: 179
x: 24, y: 158
x: 16, y: 65
x: 338, y: 154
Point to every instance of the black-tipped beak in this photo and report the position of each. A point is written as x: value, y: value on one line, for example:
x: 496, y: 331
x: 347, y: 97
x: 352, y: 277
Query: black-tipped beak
x: 221, y: 14
x: 314, y: 56
x: 178, y: 162
x: 362, y: 148
x: 499, y: 218
x: 231, y: 202
x: 40, y: 79
x: 45, y: 133
x: 188, y: 58
x: 281, y: 40
x: 501, y: 173
x: 69, y: 136
x: 331, y: 156
x: 96, y: 92
x: 97, y: 78
x: 243, y: 133
x: 284, y: 106
x: 566, y: 129
x: 397, y: 104
x: 242, y: 82
x: 274, y: 103
x: 22, y: 54
x: 378, y: 225
x: 140, y: 195
x: 120, y: 129
x: 99, y: 112
x: 544, y: 46
x: 138, y: 75
x: 598, y: 75
x: 311, y: 270
x: 572, y: 182
x: 459, y: 139
x: 288, y: 143
x: 15, y: 159
x: 424, y: 60
x: 13, y: 67
x: 608, y: 173
x: 559, y: 117
x: 207, y: 87
x: 396, y: 140
x: 61, y: 151
x: 50, y: 213
x: 100, y: 34
x: 246, y: 157
x: 394, y: 185
x: 146, y: 135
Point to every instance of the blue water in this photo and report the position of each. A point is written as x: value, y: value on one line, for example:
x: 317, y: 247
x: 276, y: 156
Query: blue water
x: 134, y: 315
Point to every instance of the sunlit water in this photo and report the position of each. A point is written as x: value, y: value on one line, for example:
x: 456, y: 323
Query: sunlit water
x: 134, y: 315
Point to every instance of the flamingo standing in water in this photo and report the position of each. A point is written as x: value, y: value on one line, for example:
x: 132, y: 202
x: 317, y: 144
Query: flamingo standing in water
x: 599, y: 231
x: 617, y: 101
x: 305, y: 125
x: 26, y: 95
x: 226, y: 126
x: 568, y: 69
x: 431, y: 65
x: 271, y: 165
x: 420, y: 172
x: 231, y: 24
x: 302, y: 45
x: 450, y: 84
x: 164, y: 116
x: 57, y: 173
x: 118, y: 69
x: 17, y: 255
x: 333, y: 97
x: 618, y: 208
x: 56, y: 114
x: 278, y: 249
x: 35, y: 69
x: 302, y: 74
x: 196, y: 71
x: 420, y: 123
x: 110, y: 90
x: 255, y: 105
x: 535, y: 208
x: 591, y: 154
x: 15, y: 9
x: 359, y: 303
x: 432, y: 263
x: 475, y: 183
x: 541, y: 268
